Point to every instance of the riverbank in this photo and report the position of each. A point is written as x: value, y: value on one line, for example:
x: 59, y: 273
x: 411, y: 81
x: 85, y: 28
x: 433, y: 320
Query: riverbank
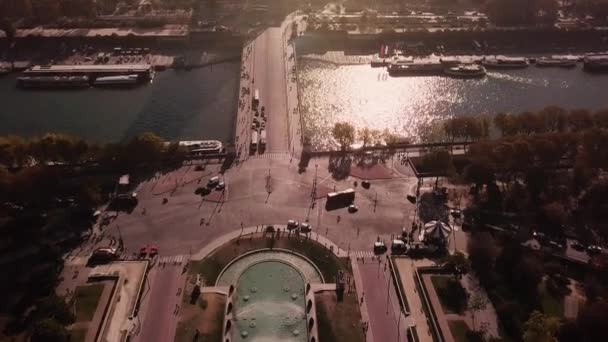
x: 458, y: 42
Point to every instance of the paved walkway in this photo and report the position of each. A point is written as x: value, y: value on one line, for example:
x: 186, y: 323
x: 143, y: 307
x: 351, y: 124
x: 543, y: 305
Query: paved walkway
x: 419, y: 319
x: 385, y: 318
x: 244, y: 118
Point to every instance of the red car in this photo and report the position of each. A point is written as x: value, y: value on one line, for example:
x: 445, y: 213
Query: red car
x: 153, y: 250
x: 143, y: 251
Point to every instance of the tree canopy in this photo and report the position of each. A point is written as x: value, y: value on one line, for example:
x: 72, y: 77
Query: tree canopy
x: 344, y: 133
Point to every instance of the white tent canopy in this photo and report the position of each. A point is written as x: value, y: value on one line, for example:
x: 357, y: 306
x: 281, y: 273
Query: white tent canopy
x: 435, y: 230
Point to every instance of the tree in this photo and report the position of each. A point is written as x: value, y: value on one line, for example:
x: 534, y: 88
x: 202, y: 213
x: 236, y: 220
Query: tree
x: 480, y: 171
x: 593, y: 321
x: 554, y: 118
x: 438, y: 162
x: 579, y: 119
x: 458, y: 264
x: 49, y: 330
x: 365, y: 135
x: 344, y: 133
x: 541, y: 328
x: 476, y: 303
x: 600, y: 118
x: 555, y: 213
x: 482, y: 250
x: 145, y: 148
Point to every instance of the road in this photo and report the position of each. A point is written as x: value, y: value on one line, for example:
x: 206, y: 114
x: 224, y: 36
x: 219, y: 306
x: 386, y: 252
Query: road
x: 159, y: 302
x: 270, y: 79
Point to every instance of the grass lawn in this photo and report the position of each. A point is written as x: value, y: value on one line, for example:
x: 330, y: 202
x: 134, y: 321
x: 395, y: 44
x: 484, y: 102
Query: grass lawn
x: 452, y: 295
x: 206, y: 315
x: 550, y: 305
x: 459, y: 330
x: 338, y: 321
x: 78, y: 335
x: 87, y: 298
x: 327, y: 262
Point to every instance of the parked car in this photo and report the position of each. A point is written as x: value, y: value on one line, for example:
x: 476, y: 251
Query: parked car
x: 577, y: 246
x: 379, y: 247
x: 594, y: 249
x: 305, y: 227
x: 153, y: 250
x: 143, y: 251
x: 292, y: 224
x: 352, y: 209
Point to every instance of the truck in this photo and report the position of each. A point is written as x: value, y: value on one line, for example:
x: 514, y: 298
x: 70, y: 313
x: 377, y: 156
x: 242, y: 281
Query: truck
x: 340, y: 199
x: 253, y: 147
x: 256, y: 99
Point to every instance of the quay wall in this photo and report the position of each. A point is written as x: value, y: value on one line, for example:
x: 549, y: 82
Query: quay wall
x: 459, y: 42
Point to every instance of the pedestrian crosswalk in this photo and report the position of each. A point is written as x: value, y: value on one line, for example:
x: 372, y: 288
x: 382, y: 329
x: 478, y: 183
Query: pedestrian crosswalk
x: 362, y: 254
x: 272, y: 155
x: 174, y: 259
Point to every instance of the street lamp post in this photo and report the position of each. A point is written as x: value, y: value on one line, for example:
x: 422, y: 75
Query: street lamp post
x: 388, y: 279
x: 398, y: 324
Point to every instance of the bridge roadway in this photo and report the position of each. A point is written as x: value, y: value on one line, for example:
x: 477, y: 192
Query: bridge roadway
x: 269, y: 77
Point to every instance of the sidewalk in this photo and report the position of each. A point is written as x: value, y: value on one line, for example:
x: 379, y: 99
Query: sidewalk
x: 243, y: 118
x: 215, y: 244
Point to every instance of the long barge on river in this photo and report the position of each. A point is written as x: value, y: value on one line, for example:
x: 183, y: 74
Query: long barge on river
x: 58, y: 75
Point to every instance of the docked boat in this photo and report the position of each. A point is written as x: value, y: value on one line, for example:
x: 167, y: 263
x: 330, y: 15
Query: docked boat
x: 58, y: 82
x: 4, y: 71
x: 200, y: 147
x: 502, y: 62
x: 450, y: 61
x: 596, y: 63
x: 466, y: 71
x: 556, y: 61
x: 414, y: 69
x: 116, y: 81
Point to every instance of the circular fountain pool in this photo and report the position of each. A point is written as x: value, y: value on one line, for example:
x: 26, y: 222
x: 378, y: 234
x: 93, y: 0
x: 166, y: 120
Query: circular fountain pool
x: 269, y: 303
x: 234, y: 270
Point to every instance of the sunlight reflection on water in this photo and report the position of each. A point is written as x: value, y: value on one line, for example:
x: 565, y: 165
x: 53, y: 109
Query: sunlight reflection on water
x: 368, y: 97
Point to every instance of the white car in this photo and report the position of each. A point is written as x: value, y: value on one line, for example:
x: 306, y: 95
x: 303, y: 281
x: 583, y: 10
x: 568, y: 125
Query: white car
x: 305, y: 227
x: 292, y: 224
x: 213, y: 182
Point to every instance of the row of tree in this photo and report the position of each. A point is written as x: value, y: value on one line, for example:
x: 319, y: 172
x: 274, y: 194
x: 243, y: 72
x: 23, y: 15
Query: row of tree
x: 345, y: 134
x: 146, y: 148
x: 551, y: 119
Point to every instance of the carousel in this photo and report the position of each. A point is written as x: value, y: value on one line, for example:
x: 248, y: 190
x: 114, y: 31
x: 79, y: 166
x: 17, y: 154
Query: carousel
x: 436, y: 232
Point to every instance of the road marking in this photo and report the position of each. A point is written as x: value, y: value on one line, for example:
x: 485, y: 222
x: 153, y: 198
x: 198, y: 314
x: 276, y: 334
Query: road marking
x: 176, y: 259
x: 272, y: 155
x: 362, y: 254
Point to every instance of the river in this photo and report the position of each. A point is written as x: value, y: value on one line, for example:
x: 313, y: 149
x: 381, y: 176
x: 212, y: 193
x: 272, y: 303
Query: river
x: 199, y: 104
x: 368, y: 97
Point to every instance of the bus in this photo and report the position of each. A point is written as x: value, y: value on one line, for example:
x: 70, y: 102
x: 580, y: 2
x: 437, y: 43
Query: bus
x: 340, y: 199
x: 256, y: 99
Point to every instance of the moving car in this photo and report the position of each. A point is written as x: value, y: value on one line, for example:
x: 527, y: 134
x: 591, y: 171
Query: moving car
x: 352, y: 209
x: 220, y: 186
x: 213, y: 182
